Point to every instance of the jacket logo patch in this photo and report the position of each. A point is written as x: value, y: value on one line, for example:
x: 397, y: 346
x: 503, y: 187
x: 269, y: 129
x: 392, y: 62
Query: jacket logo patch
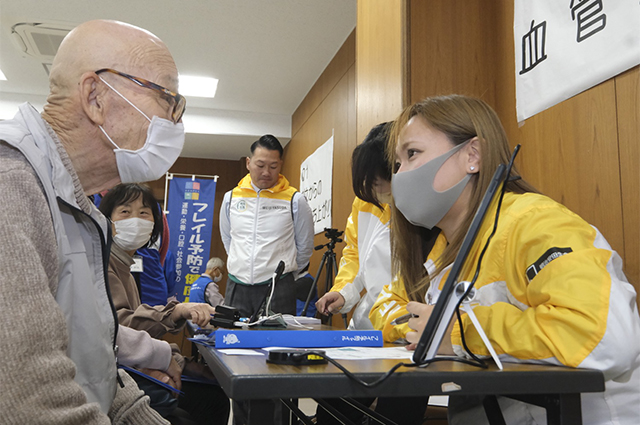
x: 241, y: 206
x: 544, y: 260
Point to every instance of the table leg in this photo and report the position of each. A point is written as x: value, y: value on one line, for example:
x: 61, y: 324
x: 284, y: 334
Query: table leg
x: 492, y: 410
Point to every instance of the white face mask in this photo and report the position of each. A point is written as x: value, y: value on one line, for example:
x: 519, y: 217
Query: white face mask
x: 132, y: 233
x: 416, y: 198
x: 161, y: 149
x: 217, y: 278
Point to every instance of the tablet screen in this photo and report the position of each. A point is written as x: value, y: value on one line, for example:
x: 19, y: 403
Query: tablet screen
x: 445, y: 307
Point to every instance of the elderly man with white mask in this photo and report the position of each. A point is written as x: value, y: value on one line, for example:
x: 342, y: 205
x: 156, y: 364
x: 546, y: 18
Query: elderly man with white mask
x: 113, y: 114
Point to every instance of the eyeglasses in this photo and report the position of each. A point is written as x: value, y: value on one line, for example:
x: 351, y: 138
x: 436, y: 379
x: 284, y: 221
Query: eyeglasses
x: 179, y: 102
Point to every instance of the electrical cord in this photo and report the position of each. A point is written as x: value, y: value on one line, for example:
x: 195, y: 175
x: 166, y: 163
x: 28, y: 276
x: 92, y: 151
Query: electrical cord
x: 484, y: 249
x: 390, y: 372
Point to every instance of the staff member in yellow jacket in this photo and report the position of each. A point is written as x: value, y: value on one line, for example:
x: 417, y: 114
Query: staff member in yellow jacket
x: 366, y: 265
x: 550, y: 288
x: 366, y: 259
x: 263, y: 221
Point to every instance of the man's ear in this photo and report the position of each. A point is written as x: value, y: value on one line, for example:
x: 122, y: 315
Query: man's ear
x: 248, y: 161
x: 472, y: 156
x: 92, y: 94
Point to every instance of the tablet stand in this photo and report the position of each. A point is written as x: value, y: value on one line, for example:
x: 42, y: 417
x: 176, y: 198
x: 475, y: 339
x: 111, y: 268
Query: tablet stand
x: 466, y: 307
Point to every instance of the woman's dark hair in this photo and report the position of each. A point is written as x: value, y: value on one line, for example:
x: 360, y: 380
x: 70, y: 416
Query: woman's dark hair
x: 369, y: 161
x: 129, y: 192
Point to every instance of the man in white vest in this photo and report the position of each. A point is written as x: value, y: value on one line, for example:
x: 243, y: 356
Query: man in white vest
x: 263, y: 221
x: 113, y: 114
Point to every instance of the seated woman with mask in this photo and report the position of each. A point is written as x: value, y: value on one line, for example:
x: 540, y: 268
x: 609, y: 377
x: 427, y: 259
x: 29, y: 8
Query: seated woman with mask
x: 137, y: 221
x: 549, y: 290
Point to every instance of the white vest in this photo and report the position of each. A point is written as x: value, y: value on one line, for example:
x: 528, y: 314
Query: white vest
x: 262, y: 232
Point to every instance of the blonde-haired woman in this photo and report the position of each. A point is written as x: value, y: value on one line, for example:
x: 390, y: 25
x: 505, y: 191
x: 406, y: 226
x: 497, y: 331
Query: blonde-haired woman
x: 550, y: 288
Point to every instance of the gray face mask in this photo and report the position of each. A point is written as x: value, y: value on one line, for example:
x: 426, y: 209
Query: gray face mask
x: 415, y: 197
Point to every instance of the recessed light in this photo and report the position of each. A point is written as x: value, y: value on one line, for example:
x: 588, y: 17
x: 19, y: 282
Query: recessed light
x: 198, y: 86
x: 2, y: 77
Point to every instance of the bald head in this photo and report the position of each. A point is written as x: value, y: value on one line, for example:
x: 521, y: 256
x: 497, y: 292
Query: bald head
x: 91, y: 113
x: 110, y: 44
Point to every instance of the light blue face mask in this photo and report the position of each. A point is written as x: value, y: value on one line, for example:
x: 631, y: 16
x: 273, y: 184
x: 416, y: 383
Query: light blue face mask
x: 415, y: 197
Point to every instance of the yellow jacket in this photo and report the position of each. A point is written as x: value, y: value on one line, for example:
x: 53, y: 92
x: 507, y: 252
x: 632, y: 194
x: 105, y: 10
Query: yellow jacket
x: 550, y: 290
x: 366, y: 260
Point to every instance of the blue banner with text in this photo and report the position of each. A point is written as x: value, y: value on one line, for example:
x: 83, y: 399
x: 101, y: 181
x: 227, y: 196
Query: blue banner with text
x: 190, y: 218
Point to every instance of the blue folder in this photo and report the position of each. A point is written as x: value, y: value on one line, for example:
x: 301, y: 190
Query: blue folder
x: 259, y: 338
x: 150, y: 378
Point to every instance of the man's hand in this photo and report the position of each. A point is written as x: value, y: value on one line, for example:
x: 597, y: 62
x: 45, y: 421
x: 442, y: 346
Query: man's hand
x: 198, y: 313
x: 331, y: 302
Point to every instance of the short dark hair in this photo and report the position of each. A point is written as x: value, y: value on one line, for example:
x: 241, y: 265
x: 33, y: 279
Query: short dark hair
x: 269, y: 142
x: 369, y: 161
x: 128, y: 192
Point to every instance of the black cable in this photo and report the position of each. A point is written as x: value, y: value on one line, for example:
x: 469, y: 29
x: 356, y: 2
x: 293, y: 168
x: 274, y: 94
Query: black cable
x: 389, y: 372
x: 484, y: 249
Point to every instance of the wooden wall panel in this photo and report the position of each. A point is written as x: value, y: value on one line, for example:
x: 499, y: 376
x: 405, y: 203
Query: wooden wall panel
x: 570, y: 153
x: 337, y: 68
x: 229, y: 174
x: 380, y: 70
x: 628, y: 106
x: 335, y: 114
x: 328, y: 107
x: 451, y: 50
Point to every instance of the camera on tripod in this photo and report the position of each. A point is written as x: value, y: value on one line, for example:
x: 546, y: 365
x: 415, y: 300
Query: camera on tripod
x: 333, y: 234
x: 334, y: 237
x: 330, y: 266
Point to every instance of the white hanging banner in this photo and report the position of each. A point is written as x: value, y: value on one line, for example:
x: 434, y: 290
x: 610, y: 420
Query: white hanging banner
x: 564, y: 47
x: 316, y: 179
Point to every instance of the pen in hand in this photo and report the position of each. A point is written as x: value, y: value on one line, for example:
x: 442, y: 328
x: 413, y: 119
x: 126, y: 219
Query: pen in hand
x: 402, y: 319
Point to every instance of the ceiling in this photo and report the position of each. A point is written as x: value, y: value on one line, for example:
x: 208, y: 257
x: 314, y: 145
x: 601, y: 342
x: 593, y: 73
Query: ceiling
x: 267, y: 55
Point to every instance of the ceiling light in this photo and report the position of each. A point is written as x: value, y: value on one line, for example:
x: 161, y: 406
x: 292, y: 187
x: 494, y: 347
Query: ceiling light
x: 2, y: 77
x: 198, y: 86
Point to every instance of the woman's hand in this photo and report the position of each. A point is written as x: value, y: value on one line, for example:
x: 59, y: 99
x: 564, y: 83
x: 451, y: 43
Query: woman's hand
x: 331, y: 302
x: 423, y: 311
x: 198, y: 313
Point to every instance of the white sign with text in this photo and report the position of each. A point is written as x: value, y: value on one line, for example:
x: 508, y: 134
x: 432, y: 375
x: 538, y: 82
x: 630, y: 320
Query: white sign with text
x: 565, y: 47
x: 316, y: 179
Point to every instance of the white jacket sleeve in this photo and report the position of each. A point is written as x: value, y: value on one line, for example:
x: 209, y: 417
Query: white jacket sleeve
x: 225, y: 226
x: 303, y: 227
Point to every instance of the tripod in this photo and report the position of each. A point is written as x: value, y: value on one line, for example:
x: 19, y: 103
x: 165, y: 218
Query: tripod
x: 331, y: 268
